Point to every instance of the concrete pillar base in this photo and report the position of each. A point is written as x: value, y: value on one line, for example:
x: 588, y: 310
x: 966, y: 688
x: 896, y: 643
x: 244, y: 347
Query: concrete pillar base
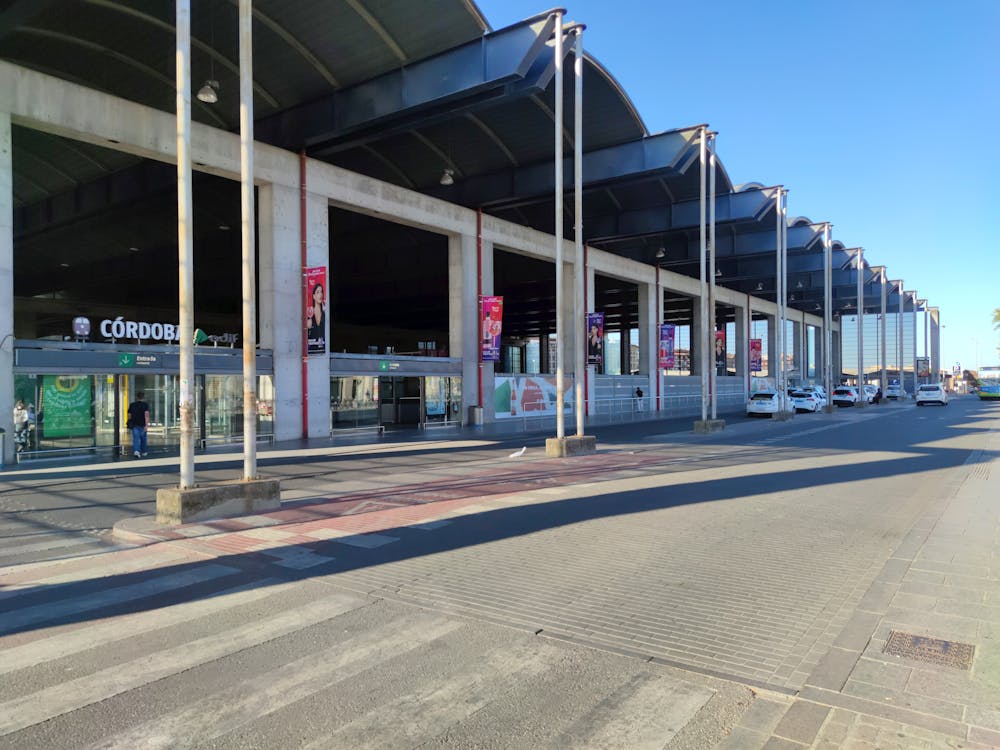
x: 709, y: 425
x: 829, y: 409
x: 574, y: 445
x: 219, y: 500
x: 783, y: 416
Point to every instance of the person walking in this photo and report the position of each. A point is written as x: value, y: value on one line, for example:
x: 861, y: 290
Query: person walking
x: 20, y: 426
x: 638, y: 399
x: 138, y: 422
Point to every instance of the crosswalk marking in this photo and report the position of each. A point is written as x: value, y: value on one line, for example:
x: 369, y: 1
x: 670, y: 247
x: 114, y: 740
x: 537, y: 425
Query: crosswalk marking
x: 228, y: 710
x: 414, y: 719
x: 39, y: 613
x: 16, y: 578
x: 46, y: 704
x: 119, y: 628
x: 643, y: 714
x: 52, y: 542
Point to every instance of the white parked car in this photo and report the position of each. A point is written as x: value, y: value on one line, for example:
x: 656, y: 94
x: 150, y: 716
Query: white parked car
x: 931, y: 393
x: 896, y: 392
x: 806, y: 401
x: 767, y: 402
x: 844, y: 395
x: 870, y: 392
x: 817, y: 390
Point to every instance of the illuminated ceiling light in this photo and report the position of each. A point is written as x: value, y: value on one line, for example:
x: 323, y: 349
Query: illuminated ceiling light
x: 799, y: 285
x: 661, y: 253
x: 134, y: 249
x: 209, y: 92
x: 717, y: 271
x: 447, y: 177
x: 760, y: 286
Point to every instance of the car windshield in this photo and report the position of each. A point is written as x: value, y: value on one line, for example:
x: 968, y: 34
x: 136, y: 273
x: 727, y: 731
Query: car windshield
x: 762, y: 396
x: 801, y: 394
x: 929, y: 388
x: 842, y: 392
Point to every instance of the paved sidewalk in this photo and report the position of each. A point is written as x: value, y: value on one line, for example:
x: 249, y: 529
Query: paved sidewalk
x: 937, y: 597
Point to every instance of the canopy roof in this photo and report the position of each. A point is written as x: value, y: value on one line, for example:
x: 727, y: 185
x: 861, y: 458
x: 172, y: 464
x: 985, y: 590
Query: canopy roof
x: 373, y: 86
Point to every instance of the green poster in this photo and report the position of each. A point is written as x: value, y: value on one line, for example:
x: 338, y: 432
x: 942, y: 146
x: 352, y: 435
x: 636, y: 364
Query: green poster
x: 65, y: 406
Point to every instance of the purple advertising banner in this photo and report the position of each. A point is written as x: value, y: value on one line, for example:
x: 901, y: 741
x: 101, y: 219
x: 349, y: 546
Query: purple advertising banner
x: 492, y: 324
x: 595, y: 339
x: 666, y: 347
x: 755, y: 355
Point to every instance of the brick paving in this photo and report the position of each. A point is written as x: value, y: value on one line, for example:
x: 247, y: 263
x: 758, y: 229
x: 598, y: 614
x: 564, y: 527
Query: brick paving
x: 813, y: 579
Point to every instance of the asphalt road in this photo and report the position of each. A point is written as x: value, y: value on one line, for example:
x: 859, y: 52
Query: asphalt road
x: 641, y: 597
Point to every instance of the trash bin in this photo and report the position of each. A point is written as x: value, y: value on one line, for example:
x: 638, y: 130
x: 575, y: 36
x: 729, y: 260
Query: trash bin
x: 475, y: 415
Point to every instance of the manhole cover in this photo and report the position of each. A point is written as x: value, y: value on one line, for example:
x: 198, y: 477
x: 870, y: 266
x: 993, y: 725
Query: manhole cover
x: 933, y: 650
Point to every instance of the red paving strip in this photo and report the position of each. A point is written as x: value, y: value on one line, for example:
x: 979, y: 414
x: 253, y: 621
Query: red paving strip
x: 474, y: 487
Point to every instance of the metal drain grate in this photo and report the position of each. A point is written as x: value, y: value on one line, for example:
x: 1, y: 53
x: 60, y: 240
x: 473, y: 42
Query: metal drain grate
x: 932, y: 650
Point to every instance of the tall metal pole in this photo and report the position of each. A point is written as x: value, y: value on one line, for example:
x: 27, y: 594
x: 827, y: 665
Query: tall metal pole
x: 713, y: 374
x: 827, y: 309
x: 580, y: 366
x: 779, y: 315
x: 914, y: 297
x: 248, y: 243
x: 899, y: 333
x: 558, y: 226
x: 703, y: 344
x: 927, y: 351
x: 185, y: 253
x: 784, y: 296
x: 883, y: 378
x: 860, y: 260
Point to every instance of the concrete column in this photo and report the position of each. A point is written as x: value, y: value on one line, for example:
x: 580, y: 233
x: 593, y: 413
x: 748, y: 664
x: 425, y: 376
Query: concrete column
x: 569, y: 343
x: 772, y: 349
x: 742, y: 333
x: 647, y: 336
x: 463, y: 315
x: 592, y: 370
x: 697, y: 361
x: 488, y: 368
x: 282, y: 310
x: 798, y: 358
x: 7, y: 286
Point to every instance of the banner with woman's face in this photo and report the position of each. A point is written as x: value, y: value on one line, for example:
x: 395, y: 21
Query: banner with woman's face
x: 316, y: 310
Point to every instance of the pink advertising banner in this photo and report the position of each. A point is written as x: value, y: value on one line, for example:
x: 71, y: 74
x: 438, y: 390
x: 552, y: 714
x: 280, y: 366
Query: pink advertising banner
x: 666, y: 347
x: 315, y: 308
x: 492, y: 325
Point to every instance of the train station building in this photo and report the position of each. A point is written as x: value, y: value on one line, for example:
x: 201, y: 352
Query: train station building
x: 408, y: 181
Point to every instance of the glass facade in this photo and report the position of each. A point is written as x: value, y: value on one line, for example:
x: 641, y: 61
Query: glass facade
x: 78, y: 412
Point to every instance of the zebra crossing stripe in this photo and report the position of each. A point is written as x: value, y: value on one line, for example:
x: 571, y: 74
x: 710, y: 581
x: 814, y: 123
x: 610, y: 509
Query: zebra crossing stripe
x: 31, y: 616
x: 127, y: 626
x: 417, y: 718
x: 52, y: 542
x: 230, y: 709
x: 49, y: 703
x: 15, y: 578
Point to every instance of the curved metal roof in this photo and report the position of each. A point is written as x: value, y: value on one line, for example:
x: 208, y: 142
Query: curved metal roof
x: 450, y: 94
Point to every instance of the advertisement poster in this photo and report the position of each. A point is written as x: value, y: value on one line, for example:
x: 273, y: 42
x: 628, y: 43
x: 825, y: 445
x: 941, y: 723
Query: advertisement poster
x: 492, y: 323
x: 720, y: 352
x: 595, y: 339
x: 755, y: 355
x: 529, y: 396
x: 666, y: 347
x: 315, y: 291
x: 64, y: 407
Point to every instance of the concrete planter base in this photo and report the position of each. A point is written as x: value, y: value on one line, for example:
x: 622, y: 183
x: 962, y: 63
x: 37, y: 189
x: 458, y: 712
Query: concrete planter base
x: 709, y: 425
x: 219, y: 500
x: 783, y: 416
x: 574, y: 445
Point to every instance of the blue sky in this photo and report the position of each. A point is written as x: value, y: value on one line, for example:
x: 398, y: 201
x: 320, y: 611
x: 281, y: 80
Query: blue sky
x: 881, y: 116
